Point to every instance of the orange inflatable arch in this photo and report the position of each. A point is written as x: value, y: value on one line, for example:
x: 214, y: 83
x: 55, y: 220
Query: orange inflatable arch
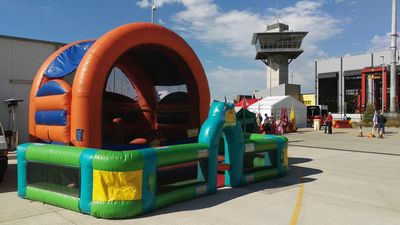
x: 81, y: 112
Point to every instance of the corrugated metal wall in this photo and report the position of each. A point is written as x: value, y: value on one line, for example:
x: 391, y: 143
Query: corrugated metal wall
x: 19, y: 61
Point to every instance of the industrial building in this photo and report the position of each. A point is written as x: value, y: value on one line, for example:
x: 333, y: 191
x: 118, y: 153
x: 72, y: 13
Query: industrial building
x: 351, y: 83
x: 347, y: 84
x: 20, y: 58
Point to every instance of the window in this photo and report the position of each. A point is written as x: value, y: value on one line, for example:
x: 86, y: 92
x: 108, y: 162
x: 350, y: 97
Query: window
x: 61, y: 179
x: 259, y: 161
x: 181, y: 175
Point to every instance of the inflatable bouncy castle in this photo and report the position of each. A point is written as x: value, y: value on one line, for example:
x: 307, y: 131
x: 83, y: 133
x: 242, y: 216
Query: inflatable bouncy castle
x: 112, y: 156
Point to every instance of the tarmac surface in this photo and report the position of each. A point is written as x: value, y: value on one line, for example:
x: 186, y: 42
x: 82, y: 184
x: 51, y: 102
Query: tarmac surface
x: 333, y: 179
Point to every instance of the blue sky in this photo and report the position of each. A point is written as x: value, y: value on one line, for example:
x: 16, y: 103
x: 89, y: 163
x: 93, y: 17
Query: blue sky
x: 218, y: 30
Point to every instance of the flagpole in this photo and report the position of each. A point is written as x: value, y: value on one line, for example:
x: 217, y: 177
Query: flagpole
x: 153, y: 9
x: 244, y: 115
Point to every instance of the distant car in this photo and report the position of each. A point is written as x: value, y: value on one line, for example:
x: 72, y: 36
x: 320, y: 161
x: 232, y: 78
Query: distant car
x: 3, y: 153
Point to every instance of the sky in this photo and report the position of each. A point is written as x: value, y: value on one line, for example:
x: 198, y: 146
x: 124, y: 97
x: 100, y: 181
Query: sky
x: 219, y: 31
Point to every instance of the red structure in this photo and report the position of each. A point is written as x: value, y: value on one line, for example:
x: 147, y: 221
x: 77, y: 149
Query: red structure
x: 245, y: 103
x: 378, y: 98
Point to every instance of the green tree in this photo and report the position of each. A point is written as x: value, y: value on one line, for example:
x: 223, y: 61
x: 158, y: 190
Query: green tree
x: 368, y: 114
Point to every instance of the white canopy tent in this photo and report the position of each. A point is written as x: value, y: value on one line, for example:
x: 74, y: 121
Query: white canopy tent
x: 273, y: 104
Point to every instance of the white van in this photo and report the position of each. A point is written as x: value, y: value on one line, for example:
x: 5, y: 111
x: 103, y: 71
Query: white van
x: 3, y: 153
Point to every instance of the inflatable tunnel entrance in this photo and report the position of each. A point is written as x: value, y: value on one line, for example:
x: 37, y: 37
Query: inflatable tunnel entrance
x: 84, y: 114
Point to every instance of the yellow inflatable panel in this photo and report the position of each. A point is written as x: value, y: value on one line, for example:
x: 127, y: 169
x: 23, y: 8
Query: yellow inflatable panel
x: 117, y: 186
x: 285, y: 157
x: 230, y: 116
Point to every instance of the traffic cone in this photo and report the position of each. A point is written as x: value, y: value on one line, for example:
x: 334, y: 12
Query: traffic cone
x: 360, y: 132
x: 373, y: 131
x: 372, y: 134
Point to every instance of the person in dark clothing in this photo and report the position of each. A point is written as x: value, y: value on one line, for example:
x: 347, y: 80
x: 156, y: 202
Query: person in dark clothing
x: 328, y: 123
x: 259, y: 120
x: 381, y: 123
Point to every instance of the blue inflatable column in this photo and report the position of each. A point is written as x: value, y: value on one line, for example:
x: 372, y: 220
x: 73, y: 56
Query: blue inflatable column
x: 21, y: 168
x: 234, y: 153
x: 281, y: 142
x: 149, y: 179
x: 210, y: 133
x: 86, y: 161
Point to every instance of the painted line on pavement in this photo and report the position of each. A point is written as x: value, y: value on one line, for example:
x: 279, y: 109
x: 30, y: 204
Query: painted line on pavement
x: 346, y: 150
x: 296, y: 212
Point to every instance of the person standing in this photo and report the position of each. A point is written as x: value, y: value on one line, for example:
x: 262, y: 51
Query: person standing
x: 259, y: 120
x: 381, y: 123
x: 279, y: 126
x: 328, y: 123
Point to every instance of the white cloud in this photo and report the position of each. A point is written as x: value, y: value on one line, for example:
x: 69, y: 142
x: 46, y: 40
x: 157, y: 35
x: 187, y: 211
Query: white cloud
x: 143, y: 3
x: 230, y: 33
x: 307, y: 15
x: 158, y: 3
x: 380, y: 43
x: 161, y: 22
x: 344, y: 1
x: 228, y: 82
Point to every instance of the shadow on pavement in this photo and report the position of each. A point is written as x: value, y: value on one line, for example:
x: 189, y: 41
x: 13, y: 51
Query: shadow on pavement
x: 392, y: 132
x: 295, y: 160
x: 340, y: 132
x: 297, y: 175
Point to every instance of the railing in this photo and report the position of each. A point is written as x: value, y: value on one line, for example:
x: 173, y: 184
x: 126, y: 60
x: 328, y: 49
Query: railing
x: 278, y: 44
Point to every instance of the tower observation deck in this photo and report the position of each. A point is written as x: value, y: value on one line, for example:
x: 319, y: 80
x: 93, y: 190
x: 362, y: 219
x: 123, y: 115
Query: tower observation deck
x: 277, y: 47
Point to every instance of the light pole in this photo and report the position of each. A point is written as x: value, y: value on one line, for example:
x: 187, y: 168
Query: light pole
x: 153, y: 10
x: 383, y: 85
x: 393, y: 61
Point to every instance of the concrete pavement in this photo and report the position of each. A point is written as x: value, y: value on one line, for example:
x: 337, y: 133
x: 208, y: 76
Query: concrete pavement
x: 343, y: 180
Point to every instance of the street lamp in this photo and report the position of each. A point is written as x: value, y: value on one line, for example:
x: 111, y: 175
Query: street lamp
x: 153, y: 10
x: 12, y: 132
x: 383, y: 85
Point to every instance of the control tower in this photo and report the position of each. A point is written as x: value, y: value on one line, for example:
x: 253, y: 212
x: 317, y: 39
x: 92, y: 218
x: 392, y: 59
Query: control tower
x: 277, y: 47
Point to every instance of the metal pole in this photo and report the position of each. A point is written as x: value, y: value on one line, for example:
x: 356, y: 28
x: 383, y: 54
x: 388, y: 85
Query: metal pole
x: 393, y: 69
x: 244, y: 117
x: 270, y: 80
x: 383, y: 80
x: 383, y: 90
x: 153, y: 9
x: 373, y: 102
x: 316, y: 84
x: 340, y: 91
